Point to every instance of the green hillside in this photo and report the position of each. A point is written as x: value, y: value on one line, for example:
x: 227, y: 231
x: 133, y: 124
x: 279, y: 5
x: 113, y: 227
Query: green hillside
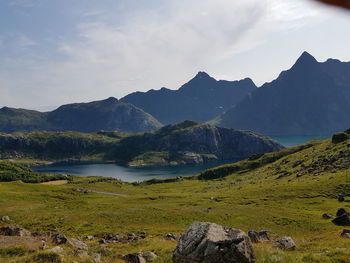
x: 285, y: 192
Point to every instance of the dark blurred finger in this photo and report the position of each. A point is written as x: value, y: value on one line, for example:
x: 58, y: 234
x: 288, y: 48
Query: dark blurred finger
x: 340, y: 3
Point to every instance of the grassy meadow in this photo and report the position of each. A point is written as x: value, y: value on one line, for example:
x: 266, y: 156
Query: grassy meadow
x: 285, y: 192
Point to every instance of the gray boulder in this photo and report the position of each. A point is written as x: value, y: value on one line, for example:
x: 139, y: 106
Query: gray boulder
x: 257, y: 237
x: 79, y: 245
x: 343, y: 218
x: 208, y: 243
x: 286, y: 243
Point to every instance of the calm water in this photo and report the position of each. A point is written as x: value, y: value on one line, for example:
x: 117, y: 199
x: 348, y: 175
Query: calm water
x: 129, y: 174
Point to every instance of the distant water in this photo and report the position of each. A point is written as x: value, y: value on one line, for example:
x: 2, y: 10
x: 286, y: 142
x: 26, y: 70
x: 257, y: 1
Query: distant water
x: 289, y: 141
x: 127, y: 174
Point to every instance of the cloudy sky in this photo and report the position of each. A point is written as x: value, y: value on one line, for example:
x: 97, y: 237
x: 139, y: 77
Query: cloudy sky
x: 62, y: 51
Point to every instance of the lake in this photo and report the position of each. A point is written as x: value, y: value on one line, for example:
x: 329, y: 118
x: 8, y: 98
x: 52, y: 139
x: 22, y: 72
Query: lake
x: 132, y: 174
x: 127, y: 174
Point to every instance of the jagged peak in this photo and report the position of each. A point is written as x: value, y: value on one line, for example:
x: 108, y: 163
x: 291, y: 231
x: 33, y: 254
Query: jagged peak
x: 202, y: 75
x: 305, y: 58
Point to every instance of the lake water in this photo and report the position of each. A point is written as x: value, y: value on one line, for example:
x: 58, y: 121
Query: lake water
x: 127, y: 174
x: 130, y: 174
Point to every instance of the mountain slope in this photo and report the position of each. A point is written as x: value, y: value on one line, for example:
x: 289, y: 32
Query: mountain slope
x: 190, y: 142
x: 109, y: 114
x: 311, y: 98
x: 201, y: 99
x: 20, y: 119
x: 182, y: 143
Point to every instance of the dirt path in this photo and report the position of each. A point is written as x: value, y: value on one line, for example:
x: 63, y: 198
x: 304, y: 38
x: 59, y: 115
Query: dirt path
x: 108, y: 193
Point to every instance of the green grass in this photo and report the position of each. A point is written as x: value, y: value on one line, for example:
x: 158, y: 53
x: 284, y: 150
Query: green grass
x: 285, y: 192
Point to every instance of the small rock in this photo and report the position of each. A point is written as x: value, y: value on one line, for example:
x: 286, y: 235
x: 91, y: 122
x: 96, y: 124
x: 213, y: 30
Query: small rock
x: 5, y: 218
x: 208, y: 243
x: 171, y: 237
x: 257, y: 237
x: 14, y: 230
x: 327, y: 216
x: 59, y: 239
x: 102, y: 241
x: 42, y: 245
x: 96, y: 257
x: 89, y: 237
x: 135, y: 258
x: 58, y: 250
x: 345, y: 233
x: 341, y: 211
x: 343, y: 218
x: 149, y: 256
x: 80, y: 245
x: 286, y: 243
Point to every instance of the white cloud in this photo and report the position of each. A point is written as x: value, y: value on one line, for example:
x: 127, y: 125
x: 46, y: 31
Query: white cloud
x: 150, y: 49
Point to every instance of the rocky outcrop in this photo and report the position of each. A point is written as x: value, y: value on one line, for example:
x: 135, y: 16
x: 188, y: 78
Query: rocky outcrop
x: 192, y: 142
x: 208, y: 242
x: 141, y: 257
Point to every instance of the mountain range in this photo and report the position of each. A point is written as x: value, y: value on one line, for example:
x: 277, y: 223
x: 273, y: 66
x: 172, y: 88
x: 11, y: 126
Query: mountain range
x: 311, y: 98
x: 201, y: 99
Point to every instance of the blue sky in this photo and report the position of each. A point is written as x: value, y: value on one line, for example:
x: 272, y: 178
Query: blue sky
x: 61, y: 51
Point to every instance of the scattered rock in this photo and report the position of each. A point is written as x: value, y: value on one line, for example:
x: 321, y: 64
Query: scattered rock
x: 42, y: 245
x: 80, y: 245
x: 96, y: 257
x: 58, y: 250
x: 345, y: 233
x: 135, y: 258
x: 14, y: 230
x: 327, y: 216
x: 149, y: 256
x: 5, y: 218
x: 286, y: 243
x: 208, y: 242
x: 59, y: 239
x: 257, y: 237
x: 171, y: 237
x: 343, y: 218
x: 341, y: 211
x: 89, y: 237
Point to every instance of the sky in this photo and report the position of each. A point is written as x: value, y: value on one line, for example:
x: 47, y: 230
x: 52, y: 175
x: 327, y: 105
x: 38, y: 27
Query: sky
x: 63, y: 51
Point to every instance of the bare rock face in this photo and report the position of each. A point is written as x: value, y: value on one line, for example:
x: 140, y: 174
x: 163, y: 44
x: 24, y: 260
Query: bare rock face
x: 208, y: 243
x: 14, y: 230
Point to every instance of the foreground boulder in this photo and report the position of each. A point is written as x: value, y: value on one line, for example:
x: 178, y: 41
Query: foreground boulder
x: 14, y: 230
x: 208, y: 243
x: 257, y: 237
x: 143, y: 257
x: 286, y: 243
x: 345, y: 233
